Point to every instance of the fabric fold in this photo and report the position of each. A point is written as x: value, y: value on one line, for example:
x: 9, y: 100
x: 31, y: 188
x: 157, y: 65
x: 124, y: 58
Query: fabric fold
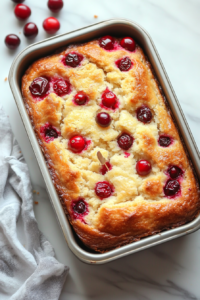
x: 28, y: 271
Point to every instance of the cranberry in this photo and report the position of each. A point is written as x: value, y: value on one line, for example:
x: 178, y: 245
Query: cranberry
x: 124, y: 64
x: 105, y: 169
x: 79, y: 207
x: 164, y: 141
x: 103, y: 189
x: 22, y: 11
x: 125, y: 141
x: 103, y: 119
x: 39, y: 87
x: 80, y: 98
x: 49, y: 132
x: 143, y: 167
x: 77, y: 143
x: 55, y: 5
x: 51, y: 25
x: 73, y: 59
x: 171, y: 187
x: 12, y: 41
x: 30, y: 30
x: 144, y: 114
x: 18, y: 1
x: 61, y: 87
x: 128, y: 43
x: 109, y: 99
x: 175, y: 172
x: 107, y: 42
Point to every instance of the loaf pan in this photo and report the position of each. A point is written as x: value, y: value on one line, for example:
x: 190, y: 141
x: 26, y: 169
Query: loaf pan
x: 115, y: 27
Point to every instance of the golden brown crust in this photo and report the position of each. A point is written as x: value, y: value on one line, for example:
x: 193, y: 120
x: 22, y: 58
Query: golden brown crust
x: 138, y: 207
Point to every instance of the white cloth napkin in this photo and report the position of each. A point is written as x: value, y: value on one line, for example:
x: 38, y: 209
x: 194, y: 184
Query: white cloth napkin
x: 29, y: 271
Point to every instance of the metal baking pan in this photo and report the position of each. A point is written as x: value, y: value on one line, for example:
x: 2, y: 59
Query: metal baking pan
x: 116, y: 27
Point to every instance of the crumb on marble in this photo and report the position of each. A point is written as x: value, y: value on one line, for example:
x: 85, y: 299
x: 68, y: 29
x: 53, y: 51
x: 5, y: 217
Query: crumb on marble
x: 20, y: 151
x: 95, y: 16
x: 20, y: 32
x: 6, y: 78
x: 38, y: 193
x: 36, y: 202
x: 34, y: 191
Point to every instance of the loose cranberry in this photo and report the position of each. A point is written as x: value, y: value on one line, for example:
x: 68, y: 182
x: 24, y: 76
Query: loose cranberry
x: 103, y: 189
x: 105, y: 169
x: 18, y: 1
x: 77, y: 143
x: 175, y: 172
x: 79, y: 207
x: 125, y: 141
x: 30, y: 30
x: 61, y: 87
x: 164, y: 141
x: 124, y: 64
x: 73, y: 59
x: 107, y: 42
x: 109, y: 99
x: 80, y: 98
x: 39, y: 87
x: 143, y: 167
x: 12, y: 41
x: 22, y: 11
x: 55, y: 5
x: 144, y: 114
x: 51, y: 25
x: 128, y: 43
x: 49, y: 132
x: 103, y: 119
x: 171, y: 187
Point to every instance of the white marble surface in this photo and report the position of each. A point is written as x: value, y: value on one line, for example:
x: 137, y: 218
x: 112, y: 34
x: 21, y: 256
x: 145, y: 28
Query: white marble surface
x: 171, y: 270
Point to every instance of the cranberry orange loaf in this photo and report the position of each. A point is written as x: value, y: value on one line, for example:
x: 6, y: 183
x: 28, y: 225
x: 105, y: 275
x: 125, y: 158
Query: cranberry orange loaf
x: 101, y: 100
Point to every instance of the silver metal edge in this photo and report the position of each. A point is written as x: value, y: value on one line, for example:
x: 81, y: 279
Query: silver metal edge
x: 66, y: 228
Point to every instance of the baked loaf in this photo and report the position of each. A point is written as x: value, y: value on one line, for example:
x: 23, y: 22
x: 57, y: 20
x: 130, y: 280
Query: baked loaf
x: 102, y: 96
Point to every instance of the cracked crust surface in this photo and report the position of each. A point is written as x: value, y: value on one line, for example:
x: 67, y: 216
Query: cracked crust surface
x: 138, y: 206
